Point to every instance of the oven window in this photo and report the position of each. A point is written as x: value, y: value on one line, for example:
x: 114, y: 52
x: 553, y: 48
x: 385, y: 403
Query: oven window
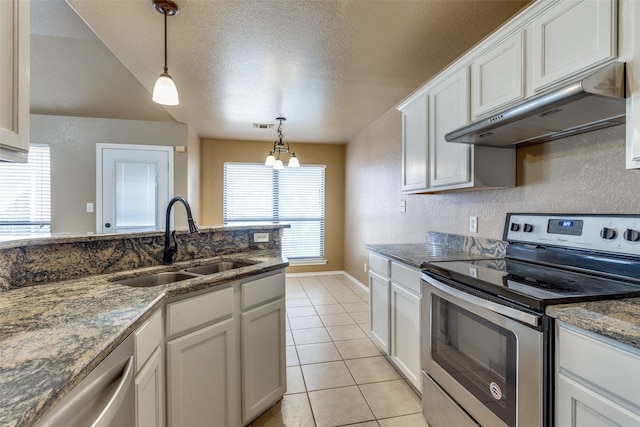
x: 478, y: 354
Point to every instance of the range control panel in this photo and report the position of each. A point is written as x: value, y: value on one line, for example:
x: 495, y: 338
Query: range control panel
x: 602, y: 233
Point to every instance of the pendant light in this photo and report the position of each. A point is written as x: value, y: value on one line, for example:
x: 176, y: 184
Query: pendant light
x: 165, y: 91
x: 280, y: 146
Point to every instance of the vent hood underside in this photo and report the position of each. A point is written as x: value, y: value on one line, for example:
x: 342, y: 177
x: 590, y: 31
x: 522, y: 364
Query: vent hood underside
x: 595, y: 102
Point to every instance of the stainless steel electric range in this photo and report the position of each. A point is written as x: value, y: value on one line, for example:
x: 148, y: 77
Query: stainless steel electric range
x: 487, y: 345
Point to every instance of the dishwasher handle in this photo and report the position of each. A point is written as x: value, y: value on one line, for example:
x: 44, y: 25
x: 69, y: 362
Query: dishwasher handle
x: 110, y: 411
x: 101, y: 399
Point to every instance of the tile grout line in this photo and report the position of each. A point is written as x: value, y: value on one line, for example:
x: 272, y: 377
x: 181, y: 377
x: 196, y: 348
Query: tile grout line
x: 334, y: 341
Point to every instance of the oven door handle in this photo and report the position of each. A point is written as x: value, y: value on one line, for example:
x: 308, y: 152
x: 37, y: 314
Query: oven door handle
x: 522, y: 316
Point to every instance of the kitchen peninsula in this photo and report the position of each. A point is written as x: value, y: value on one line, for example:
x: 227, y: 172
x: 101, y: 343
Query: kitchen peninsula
x: 62, y: 313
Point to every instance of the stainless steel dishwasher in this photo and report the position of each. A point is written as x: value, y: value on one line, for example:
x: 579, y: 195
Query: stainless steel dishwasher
x: 106, y: 397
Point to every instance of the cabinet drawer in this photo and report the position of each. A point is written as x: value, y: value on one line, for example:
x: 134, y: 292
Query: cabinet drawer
x: 379, y: 264
x: 406, y: 276
x: 198, y: 311
x: 603, y: 364
x: 263, y: 290
x: 147, y: 338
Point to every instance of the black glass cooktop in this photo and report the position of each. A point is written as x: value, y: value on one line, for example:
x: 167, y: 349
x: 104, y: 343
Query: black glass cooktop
x: 529, y: 284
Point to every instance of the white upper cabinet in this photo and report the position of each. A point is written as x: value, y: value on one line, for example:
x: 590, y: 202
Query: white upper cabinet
x: 14, y: 80
x: 497, y: 76
x: 415, y: 155
x: 572, y: 37
x: 449, y: 164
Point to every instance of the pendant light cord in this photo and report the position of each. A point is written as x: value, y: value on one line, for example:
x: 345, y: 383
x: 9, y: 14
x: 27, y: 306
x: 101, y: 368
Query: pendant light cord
x: 166, y: 69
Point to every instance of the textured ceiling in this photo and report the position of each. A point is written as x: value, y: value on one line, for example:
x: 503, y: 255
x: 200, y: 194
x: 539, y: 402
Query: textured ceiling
x: 330, y: 67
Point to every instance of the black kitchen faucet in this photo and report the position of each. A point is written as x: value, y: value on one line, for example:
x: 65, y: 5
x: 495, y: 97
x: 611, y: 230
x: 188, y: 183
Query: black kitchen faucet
x: 170, y: 251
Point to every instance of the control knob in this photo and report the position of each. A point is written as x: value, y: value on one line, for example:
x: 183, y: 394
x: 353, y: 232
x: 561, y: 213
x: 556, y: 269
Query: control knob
x: 528, y: 228
x: 515, y: 226
x: 608, y: 233
x: 632, y: 235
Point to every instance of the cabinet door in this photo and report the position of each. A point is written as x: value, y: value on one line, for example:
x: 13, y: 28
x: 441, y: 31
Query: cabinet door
x: 200, y: 383
x: 450, y: 163
x: 14, y: 79
x: 571, y: 37
x: 497, y: 76
x: 263, y: 358
x: 379, y: 289
x: 149, y: 386
x: 405, y: 333
x: 579, y: 406
x: 415, y: 157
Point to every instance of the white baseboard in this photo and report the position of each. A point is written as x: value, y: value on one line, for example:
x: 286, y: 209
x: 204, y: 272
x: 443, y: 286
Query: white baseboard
x: 332, y: 273
x: 357, y: 282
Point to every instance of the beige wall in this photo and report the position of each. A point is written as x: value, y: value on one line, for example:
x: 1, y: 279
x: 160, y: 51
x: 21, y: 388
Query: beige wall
x: 214, y: 153
x: 73, y: 161
x: 584, y: 173
x: 193, y: 174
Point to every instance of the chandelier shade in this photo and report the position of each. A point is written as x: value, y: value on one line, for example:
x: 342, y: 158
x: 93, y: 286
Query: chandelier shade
x: 280, y: 146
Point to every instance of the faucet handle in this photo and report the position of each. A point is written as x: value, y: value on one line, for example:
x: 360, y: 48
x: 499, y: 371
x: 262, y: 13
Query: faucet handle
x: 193, y: 227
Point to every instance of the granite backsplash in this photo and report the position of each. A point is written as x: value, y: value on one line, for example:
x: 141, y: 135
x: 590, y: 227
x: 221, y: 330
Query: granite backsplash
x: 44, y: 260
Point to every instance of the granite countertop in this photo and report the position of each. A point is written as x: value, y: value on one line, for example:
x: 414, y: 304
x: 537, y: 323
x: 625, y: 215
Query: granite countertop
x: 440, y: 247
x: 618, y: 320
x: 53, y: 335
x: 615, y: 319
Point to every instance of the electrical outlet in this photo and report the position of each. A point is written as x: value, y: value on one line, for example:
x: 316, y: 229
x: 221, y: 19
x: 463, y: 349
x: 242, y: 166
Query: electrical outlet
x: 261, y: 237
x: 473, y: 272
x: 473, y: 224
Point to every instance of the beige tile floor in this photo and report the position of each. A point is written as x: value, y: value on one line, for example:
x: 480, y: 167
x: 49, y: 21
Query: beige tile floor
x: 336, y: 376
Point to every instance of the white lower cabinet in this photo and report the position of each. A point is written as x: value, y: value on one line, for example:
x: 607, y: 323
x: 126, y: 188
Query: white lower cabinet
x: 379, y: 307
x: 596, y: 380
x: 405, y: 333
x: 149, y: 380
x: 395, y: 299
x: 263, y: 361
x: 149, y: 386
x: 200, y: 377
x: 225, y: 353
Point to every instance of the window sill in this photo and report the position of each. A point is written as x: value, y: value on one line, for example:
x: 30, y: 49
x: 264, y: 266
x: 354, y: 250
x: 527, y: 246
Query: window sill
x: 300, y: 262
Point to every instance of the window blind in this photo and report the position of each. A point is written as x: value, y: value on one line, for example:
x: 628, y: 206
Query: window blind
x: 25, y: 194
x: 294, y: 196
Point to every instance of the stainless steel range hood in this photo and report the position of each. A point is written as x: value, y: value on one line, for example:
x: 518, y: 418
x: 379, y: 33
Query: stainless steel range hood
x: 595, y: 102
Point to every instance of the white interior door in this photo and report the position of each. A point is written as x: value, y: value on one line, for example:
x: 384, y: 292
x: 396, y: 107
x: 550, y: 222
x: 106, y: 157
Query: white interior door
x: 134, y: 183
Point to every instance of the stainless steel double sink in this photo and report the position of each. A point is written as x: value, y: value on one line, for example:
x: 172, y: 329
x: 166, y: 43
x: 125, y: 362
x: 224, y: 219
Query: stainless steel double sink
x: 164, y: 278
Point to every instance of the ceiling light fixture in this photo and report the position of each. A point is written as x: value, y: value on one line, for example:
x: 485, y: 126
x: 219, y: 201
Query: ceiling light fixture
x: 280, y: 146
x: 165, y: 91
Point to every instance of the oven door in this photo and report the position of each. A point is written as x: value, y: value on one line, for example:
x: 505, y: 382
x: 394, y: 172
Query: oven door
x: 489, y: 363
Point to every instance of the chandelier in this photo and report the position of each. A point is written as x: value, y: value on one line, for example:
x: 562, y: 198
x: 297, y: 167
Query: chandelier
x: 280, y: 146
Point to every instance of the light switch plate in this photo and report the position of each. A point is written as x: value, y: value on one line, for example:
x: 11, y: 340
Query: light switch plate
x: 261, y: 237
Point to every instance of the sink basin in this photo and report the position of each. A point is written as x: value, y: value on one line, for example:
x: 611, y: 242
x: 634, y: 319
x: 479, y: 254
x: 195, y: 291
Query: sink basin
x: 165, y: 278
x: 157, y: 279
x: 217, y: 267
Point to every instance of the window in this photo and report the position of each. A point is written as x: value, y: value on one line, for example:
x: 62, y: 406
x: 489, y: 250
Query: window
x: 25, y: 194
x: 295, y: 196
